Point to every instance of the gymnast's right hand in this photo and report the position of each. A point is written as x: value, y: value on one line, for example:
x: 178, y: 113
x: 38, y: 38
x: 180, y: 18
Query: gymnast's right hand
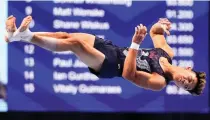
x: 140, y: 33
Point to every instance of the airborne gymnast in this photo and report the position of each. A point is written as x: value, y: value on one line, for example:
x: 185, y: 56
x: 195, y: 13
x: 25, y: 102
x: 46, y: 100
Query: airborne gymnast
x: 147, y: 68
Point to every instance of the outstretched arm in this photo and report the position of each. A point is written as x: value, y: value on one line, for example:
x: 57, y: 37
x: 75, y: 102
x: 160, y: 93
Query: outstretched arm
x: 157, y: 34
x: 129, y: 70
x: 140, y: 78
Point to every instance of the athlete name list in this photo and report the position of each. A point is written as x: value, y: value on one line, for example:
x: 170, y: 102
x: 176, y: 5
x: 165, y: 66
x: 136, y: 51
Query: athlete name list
x: 67, y: 67
x: 64, y: 64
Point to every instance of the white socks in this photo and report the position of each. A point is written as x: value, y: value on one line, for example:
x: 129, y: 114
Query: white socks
x: 25, y: 36
x: 47, y: 43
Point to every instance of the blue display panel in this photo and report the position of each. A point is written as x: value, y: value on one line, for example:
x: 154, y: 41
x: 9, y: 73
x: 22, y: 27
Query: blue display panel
x: 40, y: 80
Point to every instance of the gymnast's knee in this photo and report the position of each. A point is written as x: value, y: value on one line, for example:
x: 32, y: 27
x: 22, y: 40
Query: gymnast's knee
x: 74, y: 43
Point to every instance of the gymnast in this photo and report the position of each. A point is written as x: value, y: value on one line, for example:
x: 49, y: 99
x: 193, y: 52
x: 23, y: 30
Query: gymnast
x: 147, y: 68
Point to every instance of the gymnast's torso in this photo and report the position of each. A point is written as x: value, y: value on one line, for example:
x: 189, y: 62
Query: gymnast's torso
x: 147, y: 60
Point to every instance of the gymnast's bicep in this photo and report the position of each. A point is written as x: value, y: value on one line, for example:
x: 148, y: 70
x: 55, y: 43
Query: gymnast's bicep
x: 148, y: 81
x: 156, y: 82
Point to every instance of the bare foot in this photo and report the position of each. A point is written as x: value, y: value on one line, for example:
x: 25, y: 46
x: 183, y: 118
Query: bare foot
x: 10, y: 27
x: 25, y: 23
x: 10, y: 24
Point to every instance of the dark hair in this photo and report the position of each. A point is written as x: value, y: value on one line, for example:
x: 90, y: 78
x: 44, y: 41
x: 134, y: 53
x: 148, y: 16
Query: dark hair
x: 199, y: 87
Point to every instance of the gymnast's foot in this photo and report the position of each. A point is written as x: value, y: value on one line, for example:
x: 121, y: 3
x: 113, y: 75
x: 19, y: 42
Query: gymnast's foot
x: 25, y: 24
x: 23, y: 32
x: 10, y: 27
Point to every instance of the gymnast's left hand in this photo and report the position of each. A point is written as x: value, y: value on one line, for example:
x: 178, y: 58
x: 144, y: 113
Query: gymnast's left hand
x: 140, y: 33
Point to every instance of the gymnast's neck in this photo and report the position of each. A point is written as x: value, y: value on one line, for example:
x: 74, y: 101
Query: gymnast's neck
x: 169, y: 70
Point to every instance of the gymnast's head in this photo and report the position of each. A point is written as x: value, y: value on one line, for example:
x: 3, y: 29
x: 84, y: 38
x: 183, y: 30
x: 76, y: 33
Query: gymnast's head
x: 190, y: 80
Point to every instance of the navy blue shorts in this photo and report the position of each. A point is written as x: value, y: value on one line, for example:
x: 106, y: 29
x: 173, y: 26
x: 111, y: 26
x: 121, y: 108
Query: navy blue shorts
x: 114, y: 59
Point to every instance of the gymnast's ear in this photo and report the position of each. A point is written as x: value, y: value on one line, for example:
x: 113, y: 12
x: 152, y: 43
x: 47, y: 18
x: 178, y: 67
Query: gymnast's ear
x: 188, y: 68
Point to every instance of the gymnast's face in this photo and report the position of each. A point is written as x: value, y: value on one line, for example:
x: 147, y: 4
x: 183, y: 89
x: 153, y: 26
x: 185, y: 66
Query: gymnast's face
x: 185, y: 78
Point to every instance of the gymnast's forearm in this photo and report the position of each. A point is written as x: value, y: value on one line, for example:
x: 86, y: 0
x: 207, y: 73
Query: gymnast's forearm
x: 129, y: 69
x: 156, y: 30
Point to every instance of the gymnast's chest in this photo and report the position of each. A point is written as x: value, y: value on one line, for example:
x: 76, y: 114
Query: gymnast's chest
x: 143, y: 61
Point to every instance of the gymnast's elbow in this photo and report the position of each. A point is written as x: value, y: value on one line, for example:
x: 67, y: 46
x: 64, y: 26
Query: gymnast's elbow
x: 127, y: 74
x: 156, y: 87
x: 159, y: 88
